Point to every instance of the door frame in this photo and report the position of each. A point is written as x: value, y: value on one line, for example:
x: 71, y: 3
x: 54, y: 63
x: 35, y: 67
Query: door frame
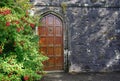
x: 65, y: 56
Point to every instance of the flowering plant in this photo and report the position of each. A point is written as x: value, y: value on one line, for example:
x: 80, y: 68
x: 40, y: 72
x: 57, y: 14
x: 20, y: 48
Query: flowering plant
x: 20, y: 58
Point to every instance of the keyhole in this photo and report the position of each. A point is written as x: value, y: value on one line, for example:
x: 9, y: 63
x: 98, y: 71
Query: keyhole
x: 50, y: 29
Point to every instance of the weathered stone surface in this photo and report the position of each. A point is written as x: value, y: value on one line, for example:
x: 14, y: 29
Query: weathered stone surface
x: 93, y: 38
x: 93, y: 33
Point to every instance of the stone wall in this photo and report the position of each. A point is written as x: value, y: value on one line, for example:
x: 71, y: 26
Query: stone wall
x: 92, y: 35
x: 93, y: 38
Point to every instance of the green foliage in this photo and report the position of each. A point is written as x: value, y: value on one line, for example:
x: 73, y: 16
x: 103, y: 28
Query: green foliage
x: 19, y: 51
x: 64, y: 6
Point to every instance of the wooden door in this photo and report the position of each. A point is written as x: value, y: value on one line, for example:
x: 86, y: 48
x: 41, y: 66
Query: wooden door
x: 51, y: 42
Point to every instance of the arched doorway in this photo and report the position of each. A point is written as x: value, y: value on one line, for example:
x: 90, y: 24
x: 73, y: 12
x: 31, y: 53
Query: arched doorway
x: 51, y: 42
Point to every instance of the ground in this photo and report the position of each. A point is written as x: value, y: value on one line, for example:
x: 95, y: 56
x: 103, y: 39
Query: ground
x: 111, y: 76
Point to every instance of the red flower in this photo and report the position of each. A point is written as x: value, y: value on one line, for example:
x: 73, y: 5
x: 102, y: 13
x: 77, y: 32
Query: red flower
x: 32, y: 25
x: 26, y: 78
x: 5, y: 12
x: 7, y: 23
x: 17, y: 22
x: 18, y: 29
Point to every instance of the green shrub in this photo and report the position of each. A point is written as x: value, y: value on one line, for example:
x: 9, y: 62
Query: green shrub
x: 20, y: 58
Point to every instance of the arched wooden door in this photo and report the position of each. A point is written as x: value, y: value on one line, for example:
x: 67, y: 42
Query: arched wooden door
x: 51, y: 42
